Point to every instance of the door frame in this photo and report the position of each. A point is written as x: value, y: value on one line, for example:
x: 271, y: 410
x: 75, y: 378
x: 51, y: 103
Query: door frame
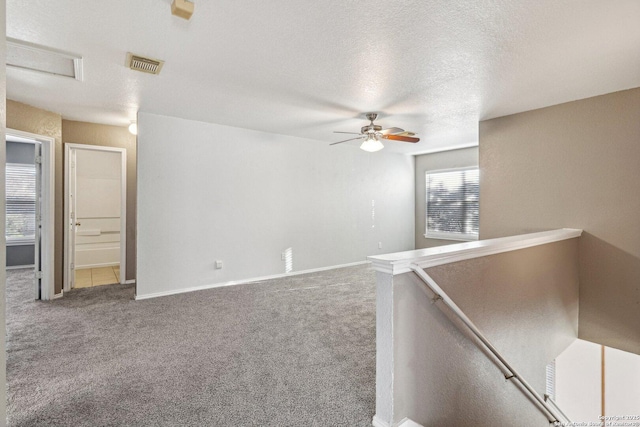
x: 47, y: 211
x: 123, y: 209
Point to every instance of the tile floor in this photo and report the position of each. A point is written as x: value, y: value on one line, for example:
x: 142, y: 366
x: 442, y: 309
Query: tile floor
x: 89, y: 277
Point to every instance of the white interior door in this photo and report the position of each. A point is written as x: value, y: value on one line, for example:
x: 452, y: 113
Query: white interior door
x: 95, y: 206
x: 73, y: 224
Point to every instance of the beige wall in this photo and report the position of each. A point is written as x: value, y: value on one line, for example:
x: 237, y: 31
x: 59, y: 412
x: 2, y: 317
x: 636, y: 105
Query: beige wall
x: 34, y: 120
x: 575, y: 165
x: 112, y: 136
x: 41, y: 122
x: 465, y: 157
x: 526, y: 304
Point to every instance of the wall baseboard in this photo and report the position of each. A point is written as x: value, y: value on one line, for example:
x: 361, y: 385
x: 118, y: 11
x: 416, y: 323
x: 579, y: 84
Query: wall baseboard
x: 20, y: 267
x: 377, y: 422
x: 130, y: 282
x: 60, y: 295
x: 245, y: 281
x: 405, y: 422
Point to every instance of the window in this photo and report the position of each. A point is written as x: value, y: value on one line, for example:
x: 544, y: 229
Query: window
x: 452, y: 204
x: 21, y: 202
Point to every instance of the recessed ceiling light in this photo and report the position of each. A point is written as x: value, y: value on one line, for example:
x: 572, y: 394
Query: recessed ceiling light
x: 43, y: 59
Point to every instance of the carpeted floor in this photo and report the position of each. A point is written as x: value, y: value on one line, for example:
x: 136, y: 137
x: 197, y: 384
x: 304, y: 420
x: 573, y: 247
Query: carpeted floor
x: 298, y: 351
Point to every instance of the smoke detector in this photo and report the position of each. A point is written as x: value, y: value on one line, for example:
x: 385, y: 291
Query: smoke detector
x: 182, y: 8
x: 146, y: 65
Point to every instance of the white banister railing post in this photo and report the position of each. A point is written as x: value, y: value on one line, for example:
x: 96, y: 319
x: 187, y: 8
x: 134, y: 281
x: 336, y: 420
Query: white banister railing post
x: 384, y: 350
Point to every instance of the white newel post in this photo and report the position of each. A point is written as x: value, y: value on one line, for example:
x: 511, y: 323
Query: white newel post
x: 384, y: 350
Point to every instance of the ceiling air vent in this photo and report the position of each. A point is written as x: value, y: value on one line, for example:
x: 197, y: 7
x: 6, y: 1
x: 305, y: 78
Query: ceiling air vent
x: 146, y: 65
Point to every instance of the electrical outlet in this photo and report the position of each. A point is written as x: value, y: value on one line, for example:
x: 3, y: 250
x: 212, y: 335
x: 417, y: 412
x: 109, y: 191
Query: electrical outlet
x: 379, y: 245
x: 218, y: 265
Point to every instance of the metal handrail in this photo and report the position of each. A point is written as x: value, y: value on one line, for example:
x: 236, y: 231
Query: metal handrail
x: 548, y: 398
x: 552, y: 415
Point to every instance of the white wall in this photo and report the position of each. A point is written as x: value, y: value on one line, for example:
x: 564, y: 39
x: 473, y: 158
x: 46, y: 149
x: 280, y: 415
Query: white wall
x: 622, y: 383
x: 579, y: 382
x: 209, y: 192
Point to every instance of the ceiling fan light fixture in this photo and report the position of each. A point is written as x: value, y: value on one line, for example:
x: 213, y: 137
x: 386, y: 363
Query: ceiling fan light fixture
x: 372, y: 134
x: 371, y: 144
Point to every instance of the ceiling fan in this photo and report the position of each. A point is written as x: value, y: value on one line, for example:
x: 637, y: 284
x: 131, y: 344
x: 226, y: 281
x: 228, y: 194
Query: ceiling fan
x: 372, y: 134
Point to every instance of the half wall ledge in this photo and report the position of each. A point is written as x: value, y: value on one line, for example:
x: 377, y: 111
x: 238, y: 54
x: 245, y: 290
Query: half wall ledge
x: 398, y: 263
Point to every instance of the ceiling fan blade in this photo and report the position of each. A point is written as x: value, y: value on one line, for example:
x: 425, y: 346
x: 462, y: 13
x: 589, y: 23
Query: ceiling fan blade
x: 352, y: 133
x: 401, y: 138
x: 340, y: 142
x: 391, y: 131
x: 406, y: 133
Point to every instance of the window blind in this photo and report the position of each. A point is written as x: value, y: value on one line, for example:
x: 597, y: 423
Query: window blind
x: 21, y: 201
x: 453, y: 204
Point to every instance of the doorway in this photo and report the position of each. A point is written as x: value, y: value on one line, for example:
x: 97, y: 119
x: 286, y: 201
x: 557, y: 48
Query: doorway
x: 95, y: 216
x: 30, y: 227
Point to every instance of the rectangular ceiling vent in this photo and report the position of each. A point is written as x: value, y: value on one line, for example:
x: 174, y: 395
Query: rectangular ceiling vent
x: 33, y: 57
x: 146, y: 65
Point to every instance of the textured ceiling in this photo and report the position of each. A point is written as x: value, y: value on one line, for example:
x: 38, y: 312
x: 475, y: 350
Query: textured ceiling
x: 306, y: 68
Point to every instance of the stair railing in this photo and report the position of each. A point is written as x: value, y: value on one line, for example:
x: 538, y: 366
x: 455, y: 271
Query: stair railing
x: 548, y: 398
x: 553, y: 414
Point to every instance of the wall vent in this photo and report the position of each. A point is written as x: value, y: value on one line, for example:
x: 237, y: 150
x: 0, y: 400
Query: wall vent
x: 43, y: 59
x: 146, y: 65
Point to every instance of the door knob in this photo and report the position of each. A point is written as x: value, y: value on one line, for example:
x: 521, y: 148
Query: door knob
x: 78, y: 224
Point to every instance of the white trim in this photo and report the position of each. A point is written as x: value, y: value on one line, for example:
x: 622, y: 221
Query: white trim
x: 440, y: 235
x: 20, y: 242
x: 377, y: 422
x: 60, y: 295
x: 66, y: 276
x: 443, y: 149
x: 406, y: 422
x: 244, y: 281
x: 19, y: 267
x: 123, y: 207
x: 88, y: 266
x: 398, y: 263
x: 458, y: 169
x: 130, y: 282
x: 47, y: 208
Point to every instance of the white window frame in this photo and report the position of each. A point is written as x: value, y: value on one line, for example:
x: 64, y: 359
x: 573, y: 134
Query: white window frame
x: 440, y: 235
